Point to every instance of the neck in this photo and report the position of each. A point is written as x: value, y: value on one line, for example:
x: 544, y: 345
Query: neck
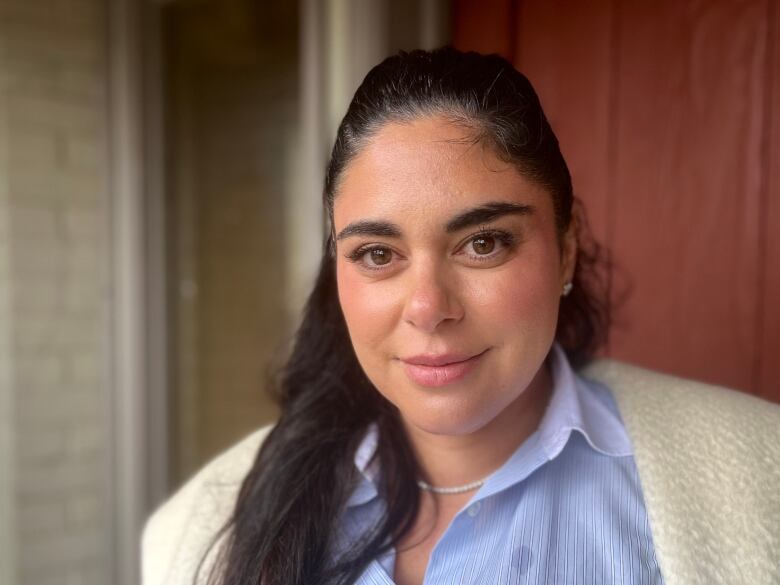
x: 455, y: 460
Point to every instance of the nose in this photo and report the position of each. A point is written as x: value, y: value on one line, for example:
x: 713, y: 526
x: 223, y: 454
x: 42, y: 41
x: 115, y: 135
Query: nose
x: 432, y: 300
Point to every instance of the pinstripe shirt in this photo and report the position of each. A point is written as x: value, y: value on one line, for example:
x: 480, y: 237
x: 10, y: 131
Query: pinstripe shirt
x: 565, y: 508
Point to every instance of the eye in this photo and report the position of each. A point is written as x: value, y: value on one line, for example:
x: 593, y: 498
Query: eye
x: 489, y: 245
x: 371, y: 257
x: 378, y: 256
x: 483, y: 244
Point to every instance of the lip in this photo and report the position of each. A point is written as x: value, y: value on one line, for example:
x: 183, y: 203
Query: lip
x: 435, y: 371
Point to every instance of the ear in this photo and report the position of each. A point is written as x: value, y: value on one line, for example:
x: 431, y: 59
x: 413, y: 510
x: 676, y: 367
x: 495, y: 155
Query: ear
x: 569, y: 252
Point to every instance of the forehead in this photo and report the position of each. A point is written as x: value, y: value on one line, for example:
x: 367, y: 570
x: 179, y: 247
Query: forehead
x: 425, y: 170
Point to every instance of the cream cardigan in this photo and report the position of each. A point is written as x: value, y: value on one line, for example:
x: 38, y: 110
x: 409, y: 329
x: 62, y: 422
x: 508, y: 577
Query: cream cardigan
x: 708, y: 460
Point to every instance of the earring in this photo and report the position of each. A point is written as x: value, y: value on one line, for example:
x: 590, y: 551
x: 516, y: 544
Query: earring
x: 567, y: 289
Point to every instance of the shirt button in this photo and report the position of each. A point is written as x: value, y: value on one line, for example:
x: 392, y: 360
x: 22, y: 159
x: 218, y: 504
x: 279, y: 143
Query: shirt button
x: 474, y: 508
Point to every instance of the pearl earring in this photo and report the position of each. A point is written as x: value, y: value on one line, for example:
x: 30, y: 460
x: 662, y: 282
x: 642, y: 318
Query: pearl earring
x: 567, y: 288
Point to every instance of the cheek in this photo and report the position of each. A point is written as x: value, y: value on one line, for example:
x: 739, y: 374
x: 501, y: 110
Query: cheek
x: 368, y: 308
x: 523, y: 297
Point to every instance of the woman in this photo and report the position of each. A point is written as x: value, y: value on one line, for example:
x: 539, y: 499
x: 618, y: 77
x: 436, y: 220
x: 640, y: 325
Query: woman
x: 433, y: 429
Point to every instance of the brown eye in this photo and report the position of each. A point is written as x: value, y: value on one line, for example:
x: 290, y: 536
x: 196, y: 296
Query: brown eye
x: 483, y: 244
x: 380, y: 256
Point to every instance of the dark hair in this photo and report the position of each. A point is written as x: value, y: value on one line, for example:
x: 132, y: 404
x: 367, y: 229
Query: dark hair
x: 290, y: 503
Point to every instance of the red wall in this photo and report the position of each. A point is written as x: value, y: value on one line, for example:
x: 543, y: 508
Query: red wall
x: 668, y: 115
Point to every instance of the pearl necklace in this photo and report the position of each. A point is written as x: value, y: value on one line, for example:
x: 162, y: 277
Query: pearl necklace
x: 460, y: 489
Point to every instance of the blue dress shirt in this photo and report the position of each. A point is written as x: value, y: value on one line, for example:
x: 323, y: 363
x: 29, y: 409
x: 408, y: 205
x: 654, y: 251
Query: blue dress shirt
x: 565, y: 508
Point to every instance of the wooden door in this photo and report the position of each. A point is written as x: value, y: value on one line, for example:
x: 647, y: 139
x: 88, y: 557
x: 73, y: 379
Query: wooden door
x: 667, y: 113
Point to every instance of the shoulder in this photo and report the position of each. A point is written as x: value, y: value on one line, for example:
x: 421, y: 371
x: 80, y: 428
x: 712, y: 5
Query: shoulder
x: 653, y: 399
x: 667, y: 416
x: 709, y: 464
x: 182, y: 530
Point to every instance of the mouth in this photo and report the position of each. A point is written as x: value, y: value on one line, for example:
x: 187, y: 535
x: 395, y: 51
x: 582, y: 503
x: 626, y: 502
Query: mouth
x: 435, y: 371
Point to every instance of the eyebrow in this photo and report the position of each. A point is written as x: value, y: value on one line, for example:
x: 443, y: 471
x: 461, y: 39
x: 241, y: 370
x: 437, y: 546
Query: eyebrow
x: 367, y: 227
x: 481, y: 214
x: 486, y: 213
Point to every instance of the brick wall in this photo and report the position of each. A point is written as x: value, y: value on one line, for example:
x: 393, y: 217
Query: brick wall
x: 54, y: 286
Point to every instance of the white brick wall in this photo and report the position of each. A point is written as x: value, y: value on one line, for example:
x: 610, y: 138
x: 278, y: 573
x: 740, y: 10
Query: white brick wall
x: 53, y: 290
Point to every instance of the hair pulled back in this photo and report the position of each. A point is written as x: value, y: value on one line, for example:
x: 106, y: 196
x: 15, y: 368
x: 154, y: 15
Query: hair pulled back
x: 287, y: 513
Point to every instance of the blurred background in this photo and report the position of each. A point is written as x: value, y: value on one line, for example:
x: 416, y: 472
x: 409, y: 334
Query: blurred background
x: 161, y: 165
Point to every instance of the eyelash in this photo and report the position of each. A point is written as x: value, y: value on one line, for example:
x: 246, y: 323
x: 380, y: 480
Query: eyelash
x: 507, y: 240
x: 361, y: 252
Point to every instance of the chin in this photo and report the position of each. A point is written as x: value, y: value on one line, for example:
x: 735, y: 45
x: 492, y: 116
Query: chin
x: 447, y: 424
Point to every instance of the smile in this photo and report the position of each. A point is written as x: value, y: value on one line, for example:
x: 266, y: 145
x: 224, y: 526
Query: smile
x: 436, y: 371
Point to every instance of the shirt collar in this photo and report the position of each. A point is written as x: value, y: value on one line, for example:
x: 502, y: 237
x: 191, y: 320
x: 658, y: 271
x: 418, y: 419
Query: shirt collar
x: 575, y: 405
x: 583, y: 406
x: 368, y: 466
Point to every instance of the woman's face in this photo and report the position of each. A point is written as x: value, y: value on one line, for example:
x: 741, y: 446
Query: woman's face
x: 449, y: 274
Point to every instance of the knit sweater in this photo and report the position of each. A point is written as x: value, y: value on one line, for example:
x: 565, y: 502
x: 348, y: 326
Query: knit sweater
x: 708, y: 460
